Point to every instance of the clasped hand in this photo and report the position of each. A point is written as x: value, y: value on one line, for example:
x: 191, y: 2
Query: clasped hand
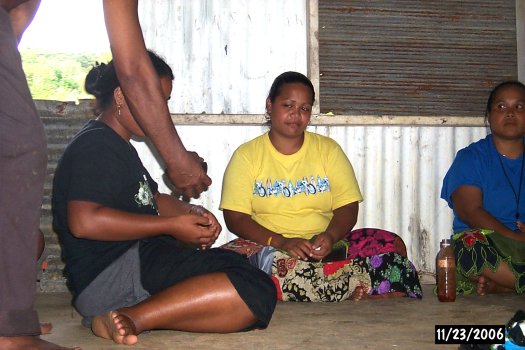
x: 199, y: 227
x: 304, y: 249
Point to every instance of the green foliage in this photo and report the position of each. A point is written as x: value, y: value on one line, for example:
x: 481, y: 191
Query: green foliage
x: 59, y: 76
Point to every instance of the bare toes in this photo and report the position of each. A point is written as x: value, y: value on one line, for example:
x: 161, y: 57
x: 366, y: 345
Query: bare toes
x: 358, y: 293
x: 115, y: 326
x: 483, y: 284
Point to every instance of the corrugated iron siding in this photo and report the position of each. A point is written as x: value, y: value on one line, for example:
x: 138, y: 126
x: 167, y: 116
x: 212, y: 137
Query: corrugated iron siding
x: 399, y: 169
x: 225, y: 54
x: 413, y: 57
x: 61, y: 120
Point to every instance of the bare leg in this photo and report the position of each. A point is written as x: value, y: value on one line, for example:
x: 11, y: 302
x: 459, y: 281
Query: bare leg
x: 502, y: 280
x: 207, y: 303
x: 485, y: 285
x: 29, y: 343
x: 45, y: 328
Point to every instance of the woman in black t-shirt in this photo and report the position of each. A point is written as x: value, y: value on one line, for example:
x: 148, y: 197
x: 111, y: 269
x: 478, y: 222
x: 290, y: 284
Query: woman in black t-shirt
x: 126, y: 246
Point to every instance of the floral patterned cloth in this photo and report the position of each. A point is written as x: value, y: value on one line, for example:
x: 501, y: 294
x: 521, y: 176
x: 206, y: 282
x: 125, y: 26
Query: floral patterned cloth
x: 477, y: 249
x: 376, y: 261
x: 372, y: 241
x: 392, y: 272
x: 299, y: 280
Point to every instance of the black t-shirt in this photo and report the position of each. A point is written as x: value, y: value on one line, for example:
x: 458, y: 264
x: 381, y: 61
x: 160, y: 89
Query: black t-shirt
x: 98, y: 166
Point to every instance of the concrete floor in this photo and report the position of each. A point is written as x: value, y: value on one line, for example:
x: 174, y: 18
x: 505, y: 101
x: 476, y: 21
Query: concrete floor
x: 368, y: 324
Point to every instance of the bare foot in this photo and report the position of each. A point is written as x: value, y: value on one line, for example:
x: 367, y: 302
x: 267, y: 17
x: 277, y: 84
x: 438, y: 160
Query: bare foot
x: 29, y: 343
x: 486, y: 285
x: 115, y: 326
x: 46, y: 328
x: 483, y: 285
x: 358, y: 293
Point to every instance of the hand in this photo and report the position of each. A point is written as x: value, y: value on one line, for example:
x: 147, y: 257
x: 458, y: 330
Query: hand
x: 214, y: 225
x: 322, y: 246
x: 295, y: 247
x: 195, y: 230
x: 189, y: 177
x: 521, y: 226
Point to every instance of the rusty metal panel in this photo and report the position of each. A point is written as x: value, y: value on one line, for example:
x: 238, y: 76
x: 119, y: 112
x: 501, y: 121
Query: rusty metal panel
x: 413, y: 57
x: 225, y: 54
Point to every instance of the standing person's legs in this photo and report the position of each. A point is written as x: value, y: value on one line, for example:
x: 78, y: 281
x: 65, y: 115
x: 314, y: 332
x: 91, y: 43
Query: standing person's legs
x: 22, y: 188
x: 23, y: 162
x: 23, y: 158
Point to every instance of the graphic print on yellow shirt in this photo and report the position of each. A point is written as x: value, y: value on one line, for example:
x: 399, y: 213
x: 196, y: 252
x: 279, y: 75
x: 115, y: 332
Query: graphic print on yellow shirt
x: 293, y: 195
x: 291, y: 188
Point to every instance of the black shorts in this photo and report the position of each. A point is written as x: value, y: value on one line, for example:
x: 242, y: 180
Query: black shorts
x: 165, y: 263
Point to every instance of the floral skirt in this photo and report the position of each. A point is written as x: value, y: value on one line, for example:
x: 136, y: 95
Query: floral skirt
x: 376, y: 261
x: 476, y: 250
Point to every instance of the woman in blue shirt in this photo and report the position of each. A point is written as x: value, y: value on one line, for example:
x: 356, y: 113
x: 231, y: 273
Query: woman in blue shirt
x: 484, y: 188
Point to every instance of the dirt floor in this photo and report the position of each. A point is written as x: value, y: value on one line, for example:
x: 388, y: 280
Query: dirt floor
x: 367, y: 324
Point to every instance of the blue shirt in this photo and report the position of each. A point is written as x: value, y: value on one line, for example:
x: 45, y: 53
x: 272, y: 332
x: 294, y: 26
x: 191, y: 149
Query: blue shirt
x: 481, y: 165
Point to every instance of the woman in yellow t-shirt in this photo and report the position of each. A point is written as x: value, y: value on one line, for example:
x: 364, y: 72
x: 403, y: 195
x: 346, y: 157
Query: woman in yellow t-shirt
x: 295, y: 193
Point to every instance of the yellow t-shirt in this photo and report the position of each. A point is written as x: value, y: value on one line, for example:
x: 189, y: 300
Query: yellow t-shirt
x: 293, y: 195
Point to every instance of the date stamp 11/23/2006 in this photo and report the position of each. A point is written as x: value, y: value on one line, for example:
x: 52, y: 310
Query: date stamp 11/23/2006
x: 469, y: 334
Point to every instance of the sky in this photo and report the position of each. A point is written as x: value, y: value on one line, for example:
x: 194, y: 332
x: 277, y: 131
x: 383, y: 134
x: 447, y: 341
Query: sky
x: 67, y: 26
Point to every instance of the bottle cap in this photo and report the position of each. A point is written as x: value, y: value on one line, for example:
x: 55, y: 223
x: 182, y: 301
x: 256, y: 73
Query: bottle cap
x: 445, y: 242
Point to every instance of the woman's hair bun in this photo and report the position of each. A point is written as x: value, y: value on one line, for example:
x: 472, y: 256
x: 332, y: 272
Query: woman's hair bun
x: 93, y: 79
x: 101, y: 80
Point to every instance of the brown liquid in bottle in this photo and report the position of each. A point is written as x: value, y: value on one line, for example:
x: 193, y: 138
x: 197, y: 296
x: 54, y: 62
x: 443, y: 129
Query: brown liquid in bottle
x: 446, y: 272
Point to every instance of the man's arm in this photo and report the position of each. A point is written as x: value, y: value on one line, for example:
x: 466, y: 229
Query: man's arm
x: 143, y: 92
x: 22, y: 16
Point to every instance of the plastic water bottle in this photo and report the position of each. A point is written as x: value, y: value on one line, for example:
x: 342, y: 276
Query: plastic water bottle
x: 446, y: 272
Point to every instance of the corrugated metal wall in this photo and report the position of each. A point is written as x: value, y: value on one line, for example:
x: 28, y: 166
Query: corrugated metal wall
x: 413, y: 57
x: 224, y: 60
x: 225, y: 54
x: 399, y: 169
x: 61, y: 121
